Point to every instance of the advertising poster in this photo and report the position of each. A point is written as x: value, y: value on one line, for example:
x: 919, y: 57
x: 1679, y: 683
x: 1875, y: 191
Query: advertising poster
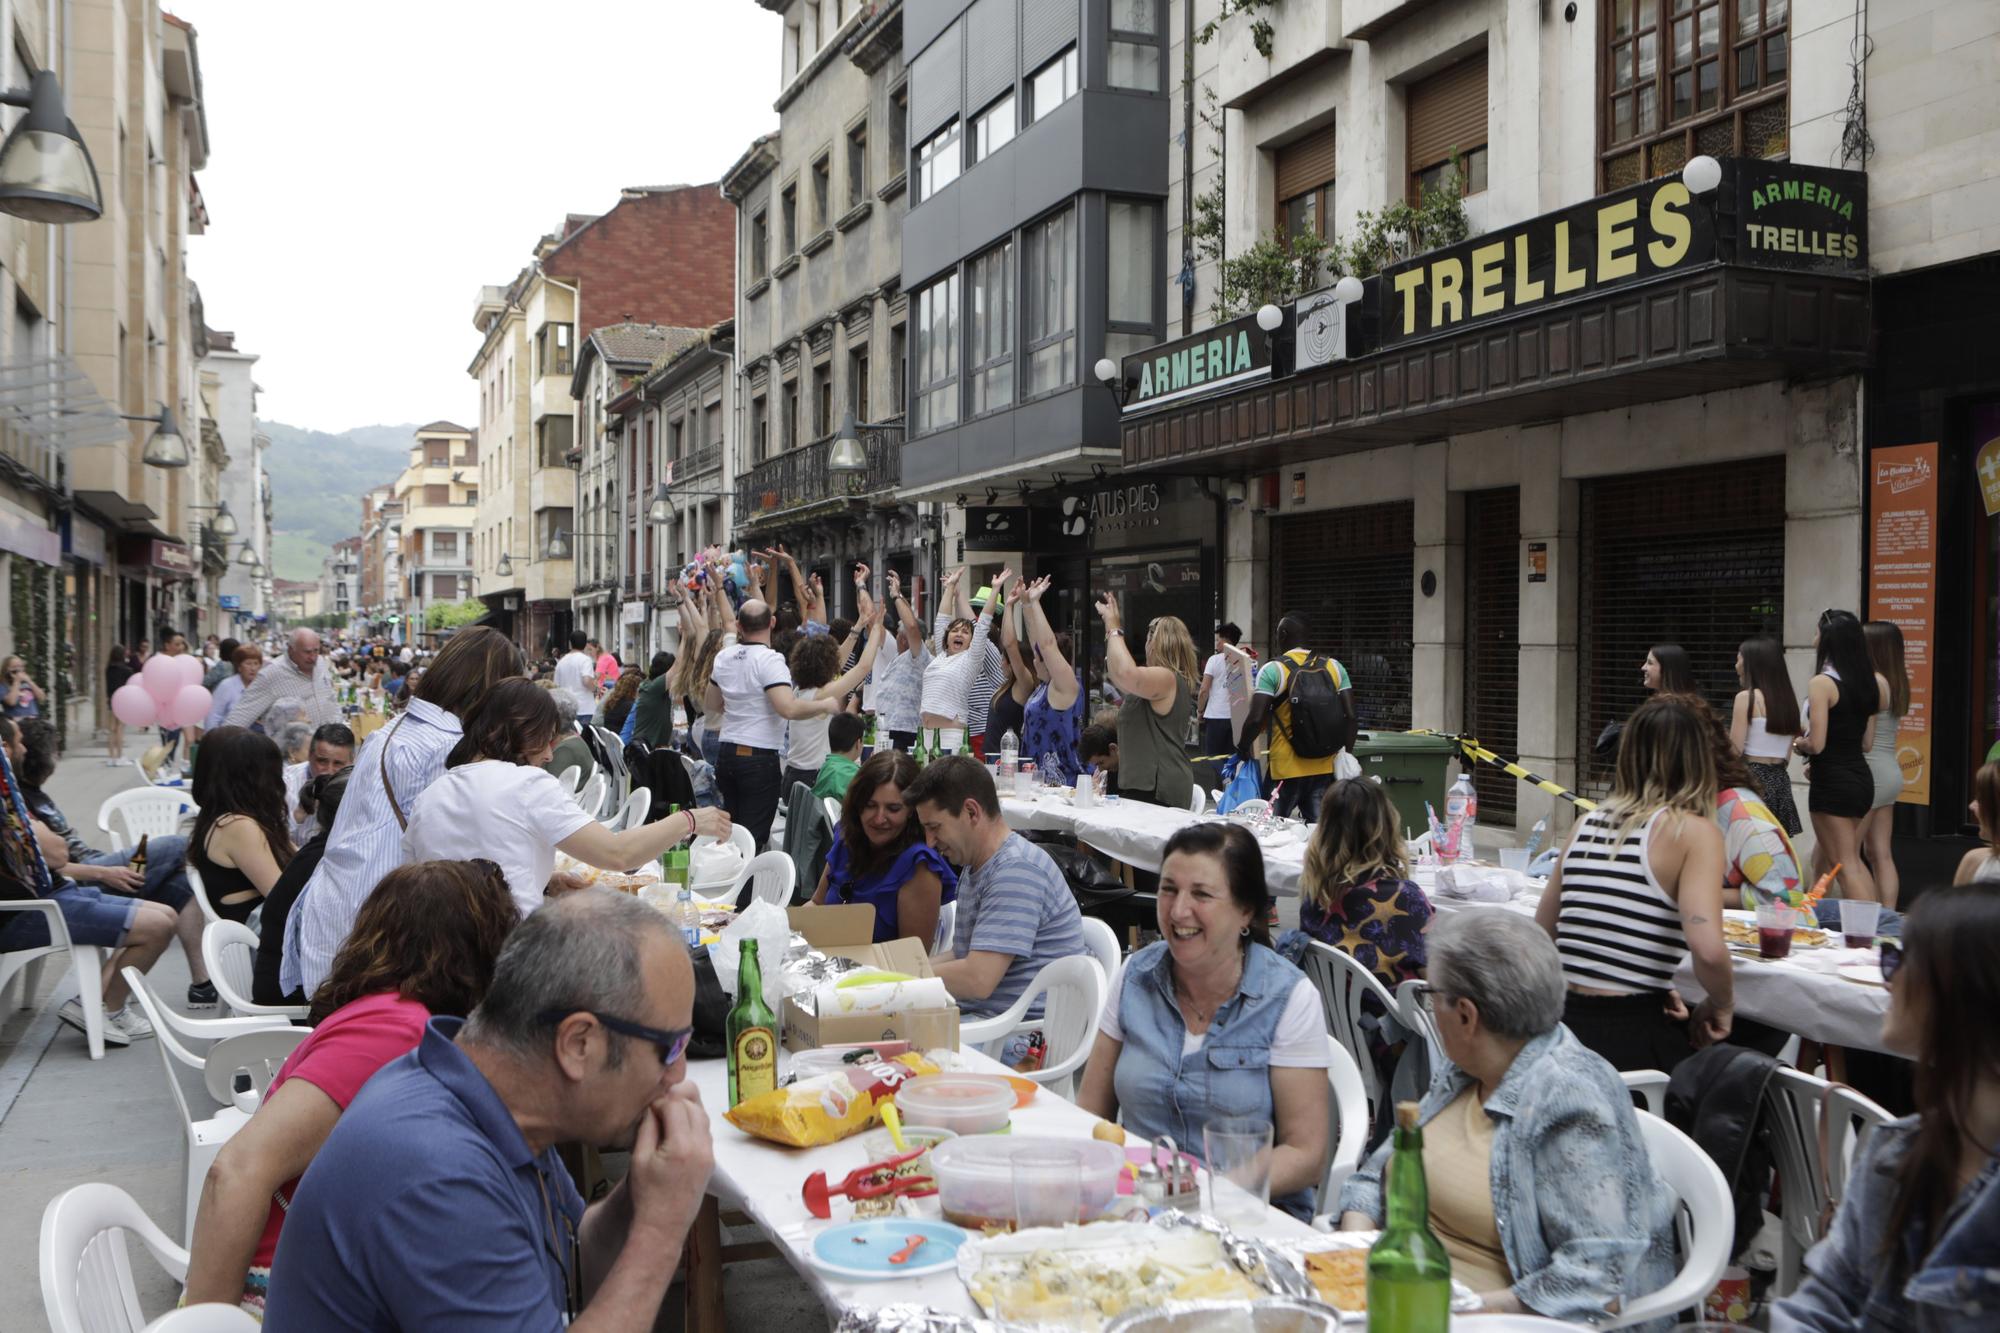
x: 1902, y: 587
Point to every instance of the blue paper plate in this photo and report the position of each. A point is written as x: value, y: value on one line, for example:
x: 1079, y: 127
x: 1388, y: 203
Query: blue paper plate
x: 861, y: 1250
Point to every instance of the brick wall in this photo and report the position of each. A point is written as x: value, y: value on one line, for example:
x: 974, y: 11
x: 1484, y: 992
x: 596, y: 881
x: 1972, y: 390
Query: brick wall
x: 660, y: 257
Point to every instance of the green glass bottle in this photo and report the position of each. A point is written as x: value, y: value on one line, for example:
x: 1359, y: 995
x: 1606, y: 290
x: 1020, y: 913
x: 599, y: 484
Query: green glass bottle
x: 1409, y: 1272
x: 920, y: 748
x: 752, y: 1032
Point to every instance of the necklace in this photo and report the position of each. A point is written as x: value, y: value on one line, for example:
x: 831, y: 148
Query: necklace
x: 1204, y: 1014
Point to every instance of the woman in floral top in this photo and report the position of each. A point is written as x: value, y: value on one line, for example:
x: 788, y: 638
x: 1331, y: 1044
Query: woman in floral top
x: 1356, y: 889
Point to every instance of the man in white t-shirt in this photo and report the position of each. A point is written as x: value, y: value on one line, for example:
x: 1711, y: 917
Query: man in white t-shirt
x: 752, y: 687
x: 1220, y: 682
x: 576, y: 674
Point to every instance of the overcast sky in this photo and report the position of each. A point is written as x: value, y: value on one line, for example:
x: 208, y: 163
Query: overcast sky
x: 372, y: 165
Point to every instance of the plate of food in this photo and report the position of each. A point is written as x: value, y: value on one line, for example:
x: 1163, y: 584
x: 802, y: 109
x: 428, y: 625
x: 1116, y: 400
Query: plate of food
x: 1337, y: 1266
x: 888, y: 1247
x: 1083, y: 1277
x: 1739, y: 931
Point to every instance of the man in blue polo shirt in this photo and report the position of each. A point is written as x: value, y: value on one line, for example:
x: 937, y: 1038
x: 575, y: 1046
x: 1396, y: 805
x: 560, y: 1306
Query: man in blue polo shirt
x: 438, y: 1201
x: 1016, y: 914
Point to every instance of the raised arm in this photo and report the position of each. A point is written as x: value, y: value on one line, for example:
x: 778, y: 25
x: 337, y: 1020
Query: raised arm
x: 1062, y: 673
x: 1021, y: 678
x: 863, y: 601
x: 852, y: 678
x: 1151, y: 683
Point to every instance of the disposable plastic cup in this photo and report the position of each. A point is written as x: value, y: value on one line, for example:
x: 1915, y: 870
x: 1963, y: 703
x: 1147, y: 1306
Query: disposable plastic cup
x: 1859, y: 919
x: 1238, y: 1149
x: 1514, y: 858
x: 1774, y: 931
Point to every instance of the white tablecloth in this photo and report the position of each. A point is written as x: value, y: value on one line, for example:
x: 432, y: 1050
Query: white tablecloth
x: 1801, y: 994
x: 1136, y: 833
x: 764, y: 1179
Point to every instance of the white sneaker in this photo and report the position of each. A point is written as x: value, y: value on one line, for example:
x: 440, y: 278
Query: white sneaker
x: 131, y: 1022
x: 115, y: 1033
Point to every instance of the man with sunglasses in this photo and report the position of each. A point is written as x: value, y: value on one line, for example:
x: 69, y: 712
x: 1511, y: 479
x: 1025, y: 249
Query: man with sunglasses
x: 439, y: 1201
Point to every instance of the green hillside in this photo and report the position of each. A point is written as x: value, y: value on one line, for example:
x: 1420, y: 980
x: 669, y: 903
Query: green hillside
x: 317, y: 480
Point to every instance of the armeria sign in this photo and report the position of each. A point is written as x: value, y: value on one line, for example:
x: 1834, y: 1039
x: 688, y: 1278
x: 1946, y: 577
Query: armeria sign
x: 1227, y: 356
x: 1798, y: 217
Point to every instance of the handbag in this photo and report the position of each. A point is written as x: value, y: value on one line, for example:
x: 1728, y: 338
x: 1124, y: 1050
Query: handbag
x: 1241, y: 781
x: 711, y: 1011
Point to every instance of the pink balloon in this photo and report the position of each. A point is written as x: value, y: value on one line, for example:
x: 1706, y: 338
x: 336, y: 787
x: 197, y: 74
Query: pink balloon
x: 192, y: 669
x: 161, y: 678
x: 191, y: 705
x: 133, y: 706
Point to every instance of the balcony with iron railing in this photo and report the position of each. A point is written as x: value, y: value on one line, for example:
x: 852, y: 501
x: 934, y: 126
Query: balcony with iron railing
x: 798, y: 481
x: 698, y: 461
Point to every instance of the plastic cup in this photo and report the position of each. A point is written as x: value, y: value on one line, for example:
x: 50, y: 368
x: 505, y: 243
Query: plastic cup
x: 1858, y: 920
x: 1083, y: 790
x: 1774, y: 930
x: 1024, y: 781
x: 1048, y: 1188
x: 1514, y: 858
x: 1238, y: 1149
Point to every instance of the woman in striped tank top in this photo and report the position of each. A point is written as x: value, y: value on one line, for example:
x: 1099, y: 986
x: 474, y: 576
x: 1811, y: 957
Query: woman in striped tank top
x: 1640, y: 887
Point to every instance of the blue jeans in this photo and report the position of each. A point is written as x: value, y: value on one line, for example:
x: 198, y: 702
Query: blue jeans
x: 1301, y: 796
x: 711, y: 747
x: 750, y: 787
x: 166, y: 869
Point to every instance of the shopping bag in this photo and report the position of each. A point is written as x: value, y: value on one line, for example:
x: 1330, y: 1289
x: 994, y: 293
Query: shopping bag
x: 1241, y: 781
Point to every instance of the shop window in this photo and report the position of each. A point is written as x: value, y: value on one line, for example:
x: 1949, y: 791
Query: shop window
x: 857, y: 164
x: 1685, y: 77
x: 1304, y: 171
x: 1050, y: 86
x: 1050, y: 327
x: 1446, y: 118
x: 1694, y: 556
x: 990, y: 129
x: 937, y: 162
x: 989, y: 284
x: 935, y: 359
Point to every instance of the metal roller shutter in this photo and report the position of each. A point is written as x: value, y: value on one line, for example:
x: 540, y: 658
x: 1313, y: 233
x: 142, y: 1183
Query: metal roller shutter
x: 1350, y: 573
x: 934, y: 83
x: 989, y: 52
x: 1447, y: 111
x: 1304, y: 164
x: 1047, y: 26
x: 1695, y: 556
x: 1493, y: 638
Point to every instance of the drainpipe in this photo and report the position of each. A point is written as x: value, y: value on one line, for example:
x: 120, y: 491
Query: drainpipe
x: 1187, y: 165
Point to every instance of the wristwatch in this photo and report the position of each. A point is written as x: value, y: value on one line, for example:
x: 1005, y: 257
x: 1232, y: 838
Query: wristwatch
x: 1119, y: 632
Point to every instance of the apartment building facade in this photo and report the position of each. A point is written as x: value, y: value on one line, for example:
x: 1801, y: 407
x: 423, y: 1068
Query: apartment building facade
x: 1628, y: 406
x: 381, y: 536
x: 229, y: 386
x: 339, y: 580
x: 439, y: 495
x: 821, y: 323
x: 660, y: 255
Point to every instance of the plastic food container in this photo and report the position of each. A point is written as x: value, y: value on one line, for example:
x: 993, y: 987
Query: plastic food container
x: 877, y: 1146
x: 975, y: 1176
x: 961, y: 1103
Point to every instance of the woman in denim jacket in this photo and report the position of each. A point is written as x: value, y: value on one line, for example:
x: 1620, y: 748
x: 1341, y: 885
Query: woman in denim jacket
x: 1916, y: 1243
x: 1540, y: 1185
x: 1210, y: 1022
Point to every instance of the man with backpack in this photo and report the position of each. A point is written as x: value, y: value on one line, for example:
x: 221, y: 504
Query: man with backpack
x: 1308, y: 699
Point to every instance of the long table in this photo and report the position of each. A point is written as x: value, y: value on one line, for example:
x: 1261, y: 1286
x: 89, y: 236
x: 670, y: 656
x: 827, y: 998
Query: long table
x: 1136, y: 833
x: 763, y: 1180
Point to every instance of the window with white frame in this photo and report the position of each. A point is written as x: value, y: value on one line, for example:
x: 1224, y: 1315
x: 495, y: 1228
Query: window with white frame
x: 935, y: 356
x: 1050, y: 86
x: 989, y: 318
x: 937, y: 161
x: 1049, y: 330
x: 991, y: 128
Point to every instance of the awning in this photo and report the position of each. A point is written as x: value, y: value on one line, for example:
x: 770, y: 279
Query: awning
x: 53, y: 400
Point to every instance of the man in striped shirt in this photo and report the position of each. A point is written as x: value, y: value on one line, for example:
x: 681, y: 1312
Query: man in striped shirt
x: 1016, y: 914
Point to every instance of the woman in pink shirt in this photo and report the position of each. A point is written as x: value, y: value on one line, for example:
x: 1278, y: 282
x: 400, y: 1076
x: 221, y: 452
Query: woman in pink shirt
x: 425, y: 942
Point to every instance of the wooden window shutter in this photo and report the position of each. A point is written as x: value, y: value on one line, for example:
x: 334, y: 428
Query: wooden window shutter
x: 1447, y: 111
x: 1305, y: 164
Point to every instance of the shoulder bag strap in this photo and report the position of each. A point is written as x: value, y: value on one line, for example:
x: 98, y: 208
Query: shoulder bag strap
x: 395, y: 806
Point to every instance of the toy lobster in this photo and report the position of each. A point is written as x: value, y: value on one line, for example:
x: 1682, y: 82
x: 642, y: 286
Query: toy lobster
x: 868, y: 1182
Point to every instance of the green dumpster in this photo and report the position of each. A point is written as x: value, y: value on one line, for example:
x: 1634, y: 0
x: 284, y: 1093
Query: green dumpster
x: 1411, y: 768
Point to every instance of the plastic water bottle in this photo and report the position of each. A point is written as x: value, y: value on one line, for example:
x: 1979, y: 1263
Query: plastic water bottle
x: 1461, y: 817
x: 687, y: 917
x: 1010, y: 754
x: 1535, y: 836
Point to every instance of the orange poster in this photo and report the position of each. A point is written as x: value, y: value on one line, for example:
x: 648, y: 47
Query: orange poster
x: 1902, y: 587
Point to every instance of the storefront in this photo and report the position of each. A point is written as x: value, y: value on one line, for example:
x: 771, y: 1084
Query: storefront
x: 1523, y: 460
x: 159, y: 577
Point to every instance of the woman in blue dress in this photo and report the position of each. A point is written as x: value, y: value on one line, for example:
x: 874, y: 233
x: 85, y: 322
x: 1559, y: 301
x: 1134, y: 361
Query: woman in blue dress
x: 879, y: 855
x: 1053, y: 696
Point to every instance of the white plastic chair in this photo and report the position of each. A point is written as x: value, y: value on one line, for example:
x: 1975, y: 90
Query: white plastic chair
x: 772, y: 876
x: 230, y: 950
x: 571, y: 778
x: 1349, y: 1130
x: 87, y: 1282
x: 170, y: 1026
x: 1651, y: 1085
x: 1796, y: 1102
x: 638, y: 804
x: 1103, y: 943
x: 591, y: 798
x: 209, y: 915
x: 1342, y: 984
x: 208, y: 1317
x: 1416, y: 1016
x: 832, y: 807
x: 739, y: 838
x: 86, y: 960
x: 1260, y: 806
x: 1706, y: 1224
x: 1197, y: 800
x: 1074, y: 988
x: 144, y: 812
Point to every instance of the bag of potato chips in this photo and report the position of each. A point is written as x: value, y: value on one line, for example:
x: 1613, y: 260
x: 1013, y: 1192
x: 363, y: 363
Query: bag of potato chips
x: 827, y: 1107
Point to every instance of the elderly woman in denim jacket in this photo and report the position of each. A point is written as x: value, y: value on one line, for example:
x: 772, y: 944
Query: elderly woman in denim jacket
x: 1209, y: 1022
x: 1916, y: 1243
x: 1540, y: 1185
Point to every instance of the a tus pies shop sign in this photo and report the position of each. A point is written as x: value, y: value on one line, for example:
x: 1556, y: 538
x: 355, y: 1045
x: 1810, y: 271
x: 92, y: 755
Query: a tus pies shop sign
x: 1764, y: 214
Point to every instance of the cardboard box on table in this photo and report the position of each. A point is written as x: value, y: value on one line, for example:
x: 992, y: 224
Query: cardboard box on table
x: 847, y: 930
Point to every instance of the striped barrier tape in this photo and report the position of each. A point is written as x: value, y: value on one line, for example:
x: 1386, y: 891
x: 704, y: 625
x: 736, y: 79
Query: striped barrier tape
x: 1474, y: 750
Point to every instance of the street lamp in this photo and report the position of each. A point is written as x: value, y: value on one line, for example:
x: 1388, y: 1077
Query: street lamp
x: 224, y: 523
x: 504, y: 567
x: 1269, y: 317
x: 167, y: 448
x: 46, y: 174
x: 1121, y: 389
x: 1701, y: 174
x: 247, y: 558
x: 558, y: 547
x: 847, y: 454
x: 661, y: 509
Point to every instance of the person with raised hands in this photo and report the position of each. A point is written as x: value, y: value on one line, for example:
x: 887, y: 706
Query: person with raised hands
x: 1158, y: 707
x: 961, y: 652
x: 1052, y: 694
x: 899, y: 677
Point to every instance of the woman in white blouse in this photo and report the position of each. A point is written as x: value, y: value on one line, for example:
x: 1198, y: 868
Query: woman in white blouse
x: 961, y: 653
x: 494, y: 800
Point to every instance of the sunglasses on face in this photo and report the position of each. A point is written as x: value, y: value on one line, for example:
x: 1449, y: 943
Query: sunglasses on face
x: 1891, y: 957
x: 671, y: 1045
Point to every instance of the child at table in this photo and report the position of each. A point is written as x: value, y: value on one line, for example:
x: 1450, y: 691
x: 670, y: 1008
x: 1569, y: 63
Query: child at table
x: 1356, y: 893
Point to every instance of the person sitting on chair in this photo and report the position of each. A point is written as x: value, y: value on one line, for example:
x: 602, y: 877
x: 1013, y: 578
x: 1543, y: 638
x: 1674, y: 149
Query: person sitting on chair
x: 879, y: 855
